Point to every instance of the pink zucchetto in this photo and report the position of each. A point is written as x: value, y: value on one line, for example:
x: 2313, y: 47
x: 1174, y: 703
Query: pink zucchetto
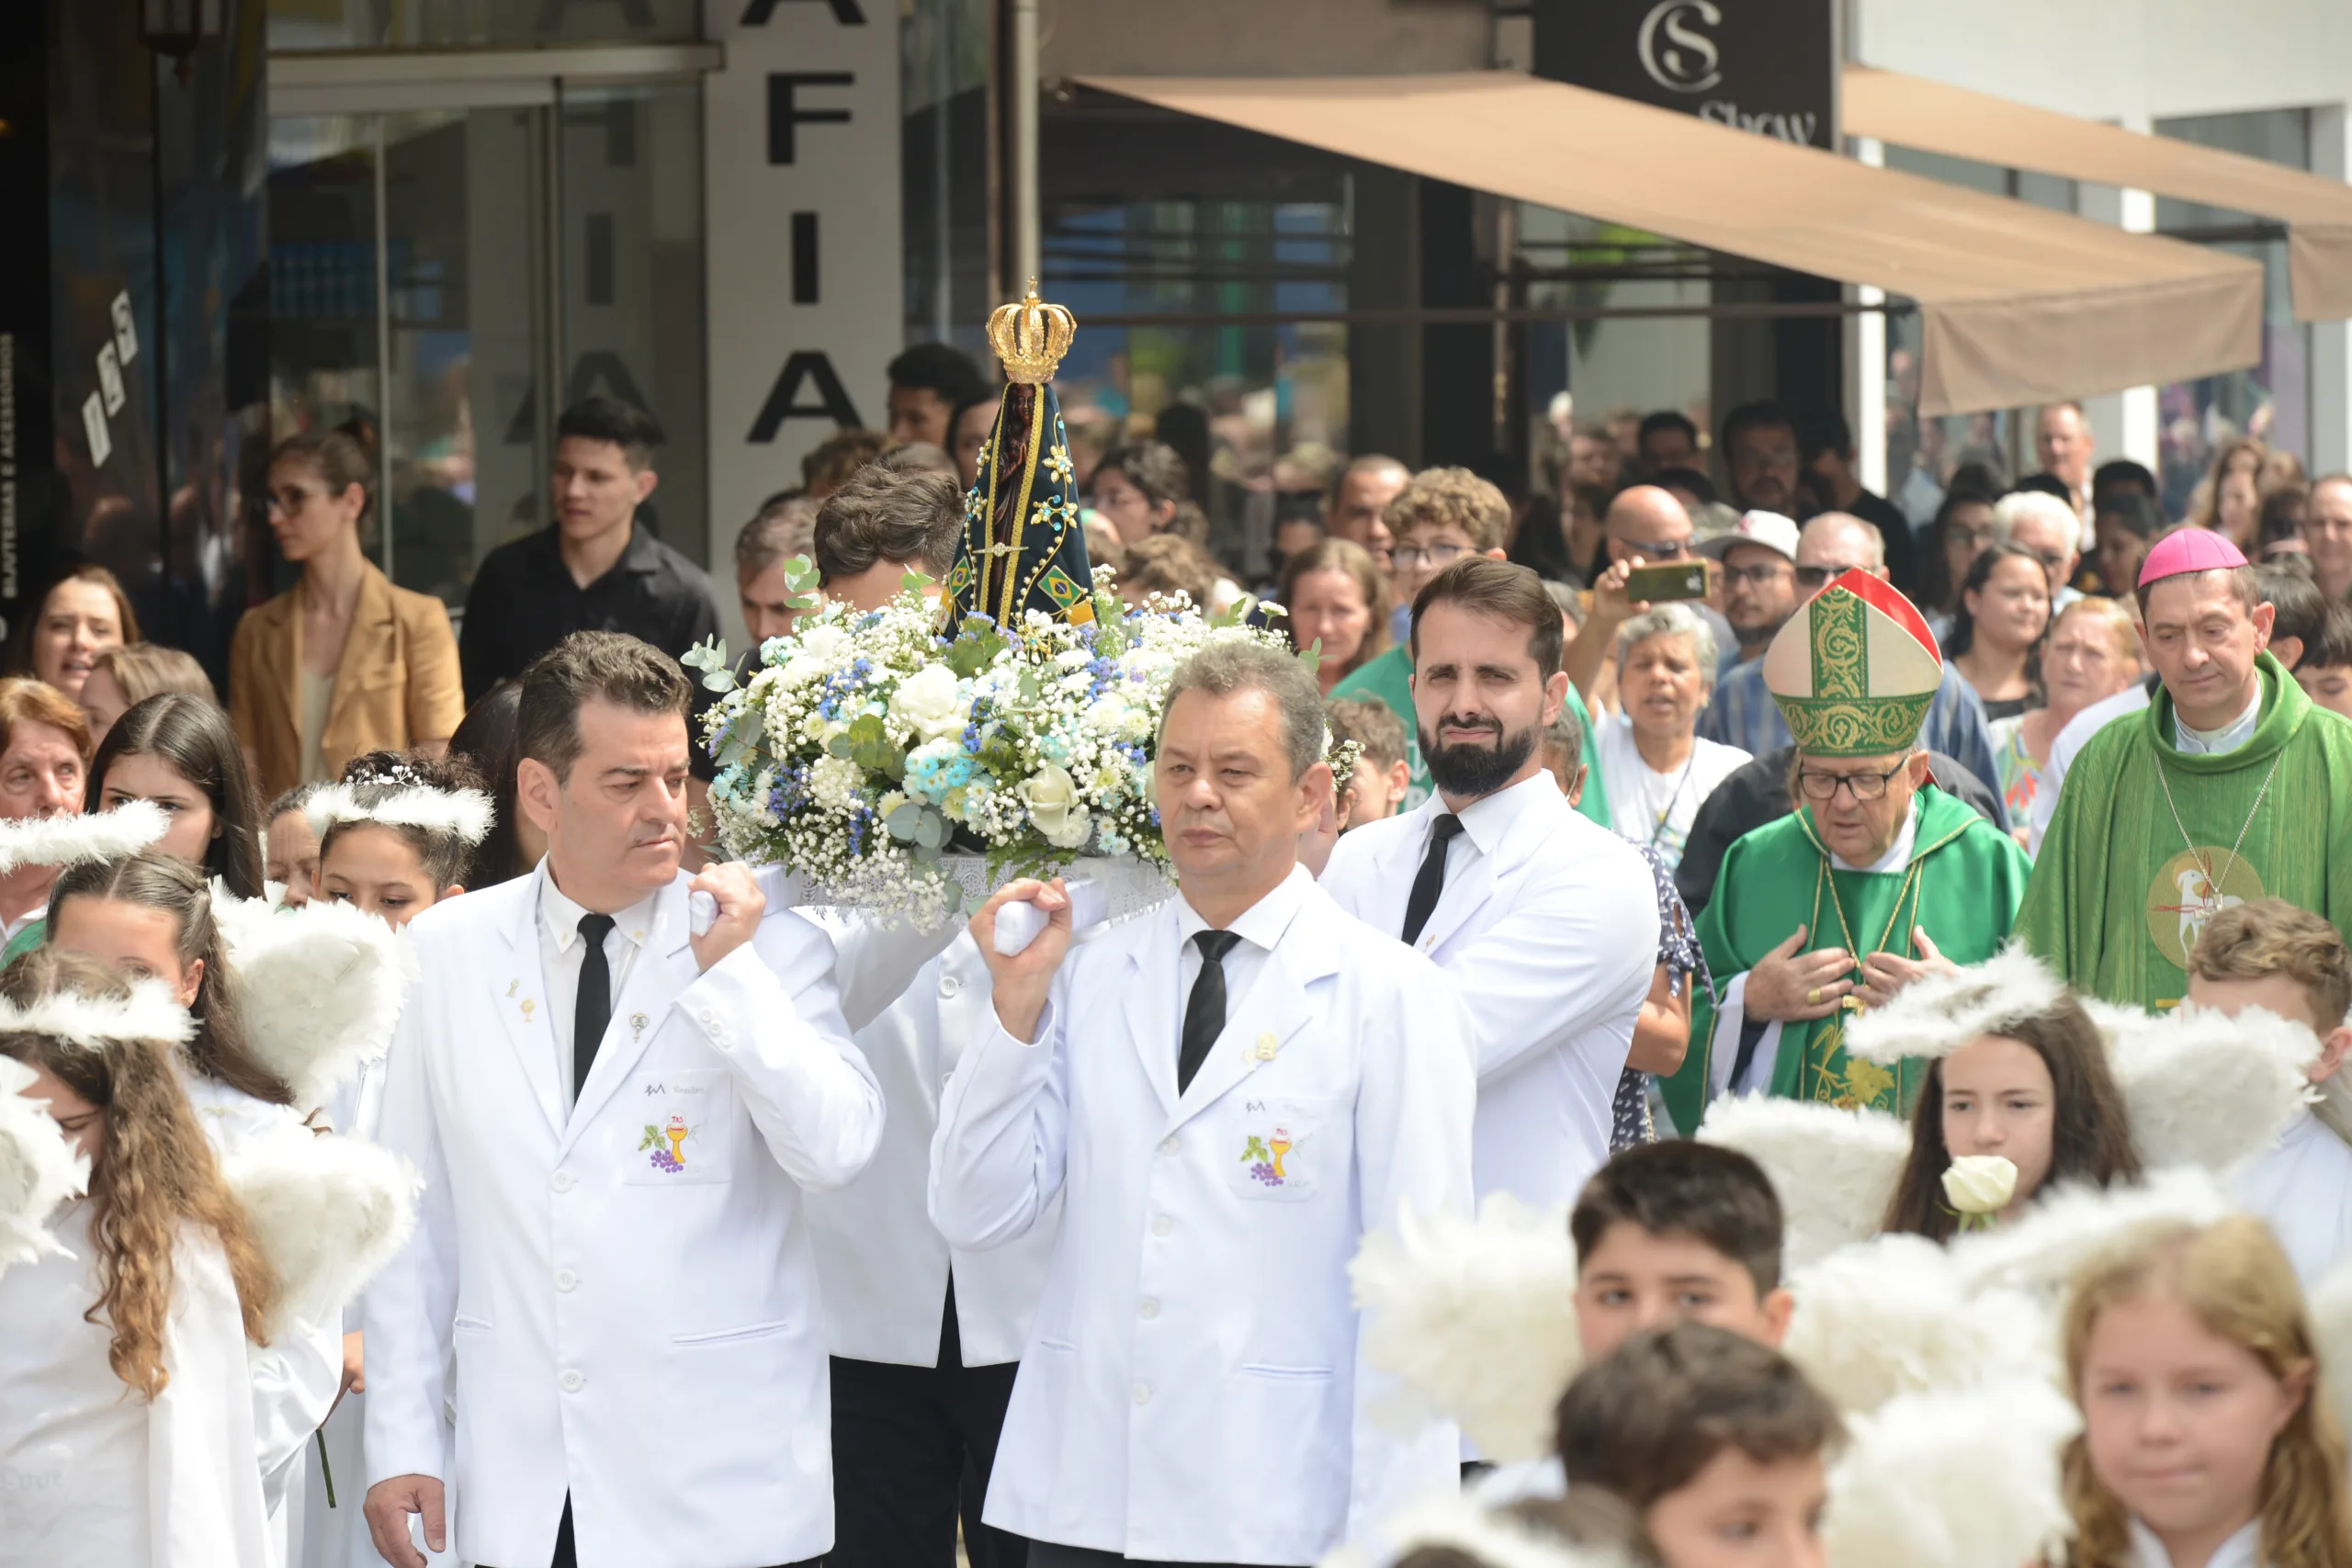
x: 2190, y: 549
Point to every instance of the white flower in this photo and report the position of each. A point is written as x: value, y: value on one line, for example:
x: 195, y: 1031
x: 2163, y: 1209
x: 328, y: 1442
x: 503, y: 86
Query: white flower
x: 1980, y: 1184
x: 821, y: 649
x: 833, y: 782
x: 927, y: 703
x: 1051, y: 795
x: 1107, y: 716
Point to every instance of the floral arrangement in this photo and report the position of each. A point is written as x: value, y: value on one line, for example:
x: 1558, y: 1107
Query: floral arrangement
x: 868, y: 745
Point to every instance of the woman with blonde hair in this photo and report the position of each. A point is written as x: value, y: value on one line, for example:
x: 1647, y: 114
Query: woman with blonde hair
x: 1334, y: 595
x: 2091, y: 653
x: 122, y: 678
x: 126, y: 1405
x: 2205, y: 1443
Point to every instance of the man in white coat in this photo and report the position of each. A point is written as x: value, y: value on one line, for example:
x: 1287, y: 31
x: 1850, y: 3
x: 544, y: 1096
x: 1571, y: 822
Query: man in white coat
x: 616, y: 1120
x: 1546, y: 922
x: 1229, y: 1092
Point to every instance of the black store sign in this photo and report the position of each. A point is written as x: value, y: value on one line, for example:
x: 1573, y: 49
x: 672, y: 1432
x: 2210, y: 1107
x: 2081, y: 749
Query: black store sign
x: 1765, y: 66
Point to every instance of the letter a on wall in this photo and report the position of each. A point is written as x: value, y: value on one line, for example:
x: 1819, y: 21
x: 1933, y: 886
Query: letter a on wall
x: 800, y: 139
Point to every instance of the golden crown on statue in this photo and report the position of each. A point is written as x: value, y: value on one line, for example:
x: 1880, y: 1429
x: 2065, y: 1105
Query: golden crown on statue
x: 1031, y: 337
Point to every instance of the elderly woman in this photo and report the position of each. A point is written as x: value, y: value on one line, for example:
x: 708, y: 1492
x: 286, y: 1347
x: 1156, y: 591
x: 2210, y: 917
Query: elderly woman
x: 1653, y: 764
x: 2093, y: 653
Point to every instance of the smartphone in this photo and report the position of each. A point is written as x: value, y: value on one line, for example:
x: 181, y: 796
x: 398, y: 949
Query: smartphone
x: 1675, y: 580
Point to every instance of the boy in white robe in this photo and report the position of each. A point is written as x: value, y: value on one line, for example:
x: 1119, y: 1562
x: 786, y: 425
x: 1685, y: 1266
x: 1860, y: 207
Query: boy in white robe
x: 2270, y: 955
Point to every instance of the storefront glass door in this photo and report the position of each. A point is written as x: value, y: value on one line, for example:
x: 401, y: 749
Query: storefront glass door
x: 434, y: 271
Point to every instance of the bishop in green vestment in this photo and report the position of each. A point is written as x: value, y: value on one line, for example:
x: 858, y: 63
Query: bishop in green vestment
x: 2231, y: 785
x: 1878, y: 878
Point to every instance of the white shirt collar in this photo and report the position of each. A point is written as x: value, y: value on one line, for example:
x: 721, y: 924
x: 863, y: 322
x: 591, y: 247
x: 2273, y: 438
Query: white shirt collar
x: 562, y: 915
x: 1898, y: 853
x: 2241, y: 1550
x: 1487, y: 820
x: 1262, y: 923
x: 2229, y: 738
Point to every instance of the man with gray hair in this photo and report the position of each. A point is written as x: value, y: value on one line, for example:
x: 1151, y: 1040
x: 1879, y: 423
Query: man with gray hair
x: 1227, y: 1094
x: 1742, y: 713
x: 2046, y: 528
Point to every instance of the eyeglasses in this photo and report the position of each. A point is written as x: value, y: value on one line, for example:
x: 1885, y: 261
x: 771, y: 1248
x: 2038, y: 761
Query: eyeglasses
x: 1426, y: 555
x: 292, y: 498
x: 1734, y: 576
x: 1657, y: 549
x: 2051, y: 559
x: 1819, y: 577
x: 1861, y: 786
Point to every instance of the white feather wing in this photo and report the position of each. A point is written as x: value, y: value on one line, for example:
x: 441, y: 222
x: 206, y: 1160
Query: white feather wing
x: 1493, y: 1538
x: 323, y: 986
x: 1834, y: 1170
x: 1892, y: 1317
x: 326, y: 1211
x: 1953, y: 1479
x: 2210, y: 1091
x: 1476, y: 1319
x: 1938, y: 1014
x: 69, y: 841
x: 39, y: 1169
x: 2065, y: 1232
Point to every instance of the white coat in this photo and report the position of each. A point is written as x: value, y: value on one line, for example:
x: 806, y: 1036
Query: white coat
x: 1548, y: 925
x: 91, y: 1472
x: 884, y: 1265
x: 1194, y: 1388
x: 640, y: 1333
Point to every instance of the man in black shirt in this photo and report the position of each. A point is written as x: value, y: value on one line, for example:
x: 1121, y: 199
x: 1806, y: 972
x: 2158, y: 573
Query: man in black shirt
x: 1825, y: 446
x: 595, y: 569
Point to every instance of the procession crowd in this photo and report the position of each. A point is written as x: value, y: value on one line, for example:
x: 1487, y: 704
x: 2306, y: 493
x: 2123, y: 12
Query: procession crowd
x: 770, y: 1232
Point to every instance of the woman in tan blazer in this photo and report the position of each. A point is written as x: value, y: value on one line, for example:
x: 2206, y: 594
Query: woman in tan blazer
x: 343, y: 663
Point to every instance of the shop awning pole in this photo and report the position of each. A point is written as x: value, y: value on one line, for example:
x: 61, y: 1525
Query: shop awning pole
x: 1027, y: 246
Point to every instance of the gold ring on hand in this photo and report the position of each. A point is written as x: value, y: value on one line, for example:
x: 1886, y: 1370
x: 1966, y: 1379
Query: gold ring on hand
x: 1813, y: 997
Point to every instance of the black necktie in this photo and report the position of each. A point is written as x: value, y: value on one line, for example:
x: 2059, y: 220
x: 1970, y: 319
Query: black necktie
x: 1205, y: 1011
x: 1428, y: 883
x: 593, y: 1009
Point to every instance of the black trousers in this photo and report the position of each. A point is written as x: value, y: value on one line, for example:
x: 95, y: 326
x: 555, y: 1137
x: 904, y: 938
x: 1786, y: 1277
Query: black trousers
x: 912, y: 1448
x: 566, y: 1555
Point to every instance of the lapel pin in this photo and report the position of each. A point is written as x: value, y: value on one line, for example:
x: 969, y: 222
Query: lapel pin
x: 529, y: 1006
x: 1267, y: 1046
x: 637, y: 1022
x: 512, y: 986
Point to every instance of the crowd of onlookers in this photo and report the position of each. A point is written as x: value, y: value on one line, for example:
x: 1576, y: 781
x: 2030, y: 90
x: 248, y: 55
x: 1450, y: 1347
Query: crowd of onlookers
x: 2026, y: 586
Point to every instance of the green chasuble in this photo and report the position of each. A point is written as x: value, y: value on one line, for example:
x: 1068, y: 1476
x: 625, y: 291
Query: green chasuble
x: 1389, y: 678
x: 1962, y: 883
x: 2120, y: 889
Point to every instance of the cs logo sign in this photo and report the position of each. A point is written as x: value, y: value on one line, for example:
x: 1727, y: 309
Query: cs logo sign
x: 1677, y: 56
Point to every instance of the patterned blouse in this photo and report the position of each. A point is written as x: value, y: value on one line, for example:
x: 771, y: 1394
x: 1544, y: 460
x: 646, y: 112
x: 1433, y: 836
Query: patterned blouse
x: 1677, y: 949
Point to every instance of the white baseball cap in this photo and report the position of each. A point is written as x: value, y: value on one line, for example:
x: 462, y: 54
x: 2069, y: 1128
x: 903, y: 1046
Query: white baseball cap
x: 1768, y: 529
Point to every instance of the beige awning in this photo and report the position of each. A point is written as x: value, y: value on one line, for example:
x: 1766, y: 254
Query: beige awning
x: 1912, y: 111
x: 2020, y: 305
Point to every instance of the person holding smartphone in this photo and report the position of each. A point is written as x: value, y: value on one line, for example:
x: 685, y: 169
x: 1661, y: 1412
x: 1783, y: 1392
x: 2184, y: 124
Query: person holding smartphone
x: 1647, y: 527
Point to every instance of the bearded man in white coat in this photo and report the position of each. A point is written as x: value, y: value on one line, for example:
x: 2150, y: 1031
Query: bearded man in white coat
x: 1547, y: 923
x: 616, y: 1120
x: 1228, y: 1093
